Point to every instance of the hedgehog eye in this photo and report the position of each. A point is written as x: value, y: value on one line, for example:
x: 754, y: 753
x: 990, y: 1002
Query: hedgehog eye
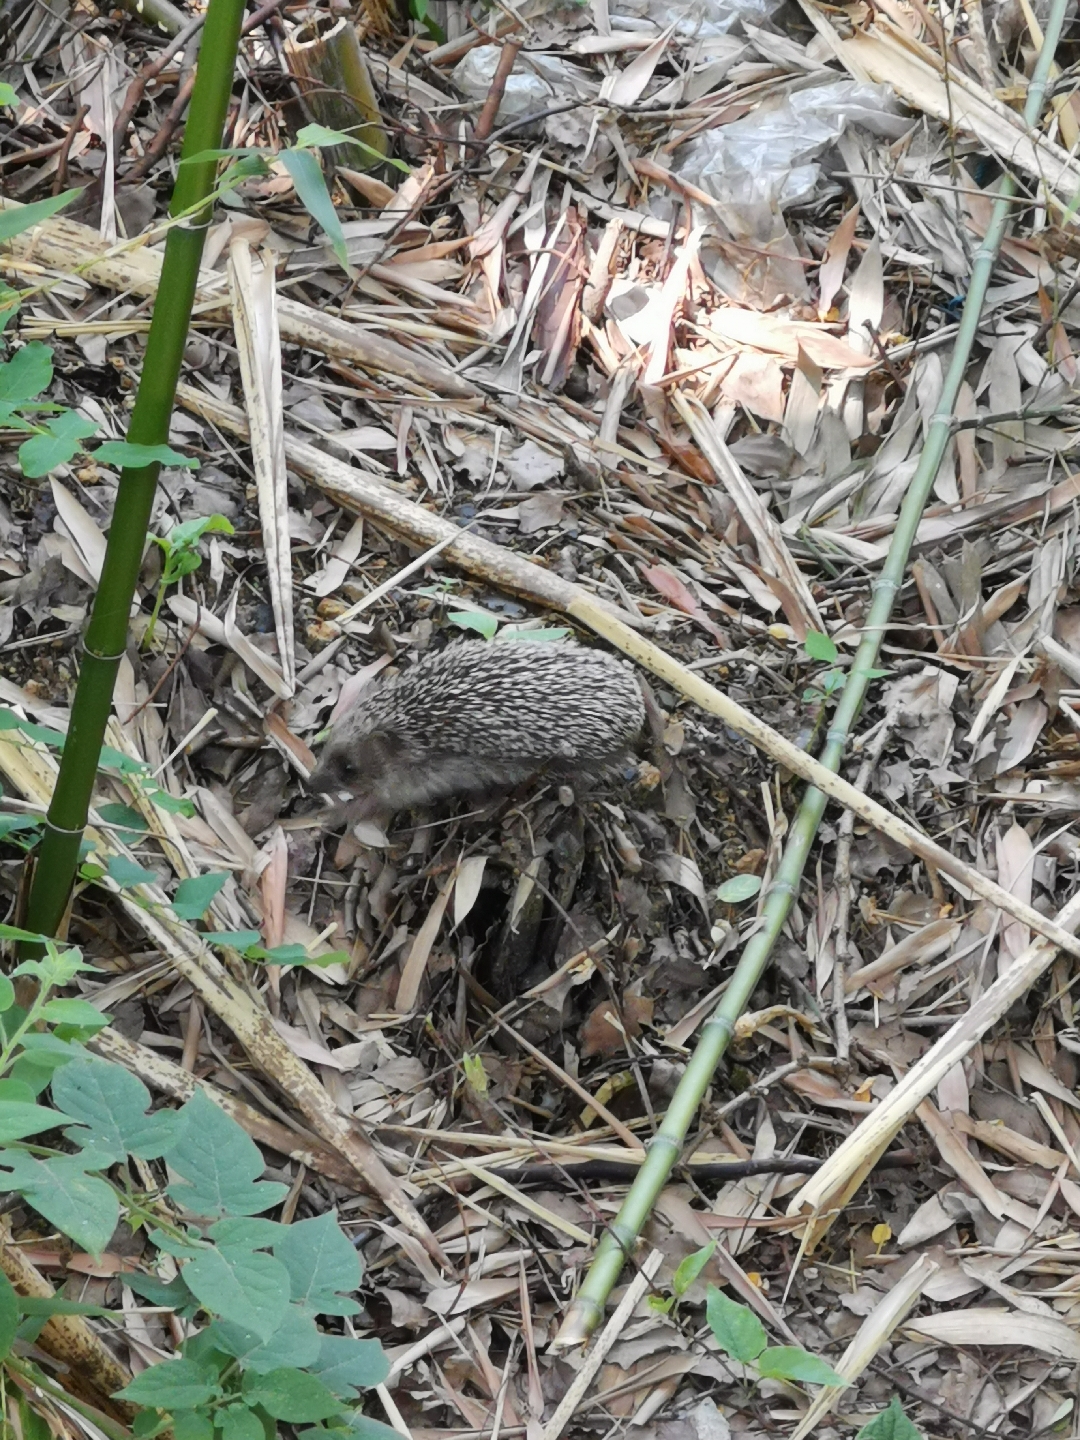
x: 347, y: 769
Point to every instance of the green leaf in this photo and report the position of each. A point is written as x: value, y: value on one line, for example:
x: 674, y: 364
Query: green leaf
x: 362, y: 1427
x: 7, y: 94
x: 690, y: 1268
x: 171, y: 1385
x: 15, y: 221
x: 16, y: 1089
x: 171, y: 803
x: 240, y: 1423
x: 307, y: 177
x: 174, y: 1293
x: 791, y: 1362
x: 9, y: 1315
x: 890, y: 1424
x: 50, y: 1305
x: 74, y: 1012
x: 112, y: 1104
x: 192, y: 1425
x: 111, y: 759
x: 127, y: 454
x: 82, y: 1206
x: 189, y: 532
x: 124, y: 816
x: 738, y: 889
x: 485, y: 625
x: 537, y: 637
x: 17, y: 1120
x: 246, y: 1232
x: 245, y: 1286
x: 127, y: 874
x: 11, y: 824
x: 321, y: 1263
x: 59, y: 442
x: 26, y: 374
x: 347, y: 1366
x: 738, y: 1331
x: 193, y: 896
x: 291, y: 1395
x: 820, y: 647
x: 235, y: 939
x: 315, y: 135
x: 148, y: 1423
x: 7, y: 1000
x: 217, y: 1162
x: 295, y: 1342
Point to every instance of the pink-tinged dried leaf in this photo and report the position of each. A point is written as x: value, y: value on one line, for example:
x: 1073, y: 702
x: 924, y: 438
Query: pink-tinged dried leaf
x: 665, y: 308
x: 602, y: 1032
x: 918, y: 948
x: 834, y: 261
x: 756, y: 381
x: 286, y: 741
x: 272, y: 886
x: 825, y: 1090
x: 1015, y: 860
x: 674, y: 591
x: 784, y: 337
x: 420, y: 951
x: 955, y: 1154
x: 1009, y: 1142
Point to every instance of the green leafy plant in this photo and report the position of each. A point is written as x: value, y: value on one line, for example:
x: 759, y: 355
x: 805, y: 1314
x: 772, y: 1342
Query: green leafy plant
x: 489, y: 626
x: 256, y: 1288
x: 135, y: 772
x: 686, y: 1273
x: 182, y: 557
x: 831, y: 681
x: 890, y: 1424
x: 56, y: 433
x: 740, y: 1334
x: 302, y: 163
x: 739, y: 889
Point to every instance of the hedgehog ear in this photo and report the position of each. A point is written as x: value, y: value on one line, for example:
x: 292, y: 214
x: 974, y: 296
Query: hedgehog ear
x: 385, y: 746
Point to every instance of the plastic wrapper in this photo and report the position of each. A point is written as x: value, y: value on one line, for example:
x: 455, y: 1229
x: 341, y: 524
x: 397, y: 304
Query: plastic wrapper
x: 701, y: 18
x: 536, y: 83
x: 767, y: 158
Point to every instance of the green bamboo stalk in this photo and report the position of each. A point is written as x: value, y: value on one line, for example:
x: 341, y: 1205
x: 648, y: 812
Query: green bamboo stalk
x: 106, y: 634
x: 618, y: 1241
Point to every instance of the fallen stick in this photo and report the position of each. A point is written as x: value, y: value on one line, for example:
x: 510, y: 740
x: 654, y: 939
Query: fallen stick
x: 77, y: 250
x: 364, y: 495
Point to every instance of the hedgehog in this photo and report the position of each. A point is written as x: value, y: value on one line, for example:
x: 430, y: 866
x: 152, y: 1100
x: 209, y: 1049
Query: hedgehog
x: 479, y: 716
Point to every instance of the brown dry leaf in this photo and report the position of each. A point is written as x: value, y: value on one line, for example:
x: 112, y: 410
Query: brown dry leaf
x: 603, y: 1034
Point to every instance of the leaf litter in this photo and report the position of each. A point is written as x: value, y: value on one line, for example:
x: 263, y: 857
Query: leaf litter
x: 670, y: 332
